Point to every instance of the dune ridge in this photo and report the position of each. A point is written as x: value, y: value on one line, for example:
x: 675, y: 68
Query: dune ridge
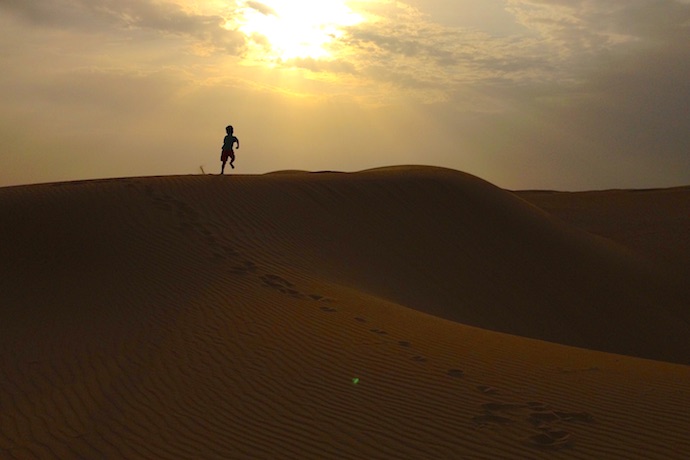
x: 230, y: 317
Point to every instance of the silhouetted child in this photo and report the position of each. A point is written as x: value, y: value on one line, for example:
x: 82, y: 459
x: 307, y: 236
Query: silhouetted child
x: 228, y: 144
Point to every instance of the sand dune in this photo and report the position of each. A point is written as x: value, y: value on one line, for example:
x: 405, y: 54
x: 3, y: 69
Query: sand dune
x: 300, y: 315
x: 653, y: 222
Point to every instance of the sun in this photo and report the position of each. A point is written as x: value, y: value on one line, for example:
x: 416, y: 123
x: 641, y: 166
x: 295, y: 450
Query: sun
x: 281, y: 30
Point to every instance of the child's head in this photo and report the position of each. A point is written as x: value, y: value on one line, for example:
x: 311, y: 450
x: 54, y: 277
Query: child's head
x: 229, y: 129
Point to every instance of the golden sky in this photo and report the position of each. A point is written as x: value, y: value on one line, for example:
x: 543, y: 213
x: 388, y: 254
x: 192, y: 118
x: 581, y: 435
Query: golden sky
x: 569, y: 95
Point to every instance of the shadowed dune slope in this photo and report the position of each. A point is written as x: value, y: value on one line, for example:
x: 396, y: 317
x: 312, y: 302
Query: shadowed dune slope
x: 301, y: 316
x: 654, y: 222
x: 457, y: 247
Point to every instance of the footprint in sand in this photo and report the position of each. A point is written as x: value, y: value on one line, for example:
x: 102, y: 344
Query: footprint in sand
x: 328, y: 309
x: 487, y: 389
x: 245, y: 267
x: 188, y: 213
x: 282, y: 285
x: 490, y: 419
x: 419, y: 359
x: 404, y: 343
x: 499, y: 407
x: 455, y: 373
x: 216, y: 257
x: 293, y: 293
x: 320, y: 298
x: 582, y: 417
x: 540, y: 419
x: 230, y: 252
x: 378, y: 331
x: 161, y: 204
x: 360, y: 320
x: 221, y: 252
x: 537, y: 406
x: 540, y: 416
x: 276, y: 281
x: 543, y: 417
x: 550, y: 439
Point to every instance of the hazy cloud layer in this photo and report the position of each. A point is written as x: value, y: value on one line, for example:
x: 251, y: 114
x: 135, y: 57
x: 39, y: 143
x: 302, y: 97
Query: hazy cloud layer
x: 128, y: 18
x: 575, y: 94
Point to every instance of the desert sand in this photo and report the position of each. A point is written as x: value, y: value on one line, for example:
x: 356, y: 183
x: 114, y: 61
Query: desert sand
x: 398, y: 313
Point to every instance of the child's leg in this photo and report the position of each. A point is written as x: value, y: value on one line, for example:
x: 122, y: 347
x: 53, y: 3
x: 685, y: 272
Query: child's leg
x: 232, y: 160
x: 222, y: 168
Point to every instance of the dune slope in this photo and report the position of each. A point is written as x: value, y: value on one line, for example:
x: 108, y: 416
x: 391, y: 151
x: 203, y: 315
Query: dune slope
x: 653, y: 222
x: 457, y: 247
x: 306, y: 316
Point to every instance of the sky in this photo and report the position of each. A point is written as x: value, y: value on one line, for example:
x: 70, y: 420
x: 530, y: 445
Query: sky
x: 526, y: 94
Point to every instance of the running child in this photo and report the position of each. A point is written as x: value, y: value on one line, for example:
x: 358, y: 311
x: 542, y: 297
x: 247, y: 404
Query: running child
x: 228, y: 145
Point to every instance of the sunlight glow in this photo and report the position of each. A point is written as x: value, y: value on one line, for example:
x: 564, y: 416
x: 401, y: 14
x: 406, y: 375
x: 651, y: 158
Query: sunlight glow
x: 281, y: 30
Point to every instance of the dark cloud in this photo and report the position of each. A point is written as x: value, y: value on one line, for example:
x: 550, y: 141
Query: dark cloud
x: 638, y: 104
x: 50, y: 13
x: 626, y: 100
x: 660, y: 19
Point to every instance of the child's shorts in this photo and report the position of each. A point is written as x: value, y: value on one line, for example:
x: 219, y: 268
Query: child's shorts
x: 227, y: 153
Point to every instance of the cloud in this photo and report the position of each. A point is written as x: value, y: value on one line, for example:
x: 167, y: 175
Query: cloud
x: 565, y: 41
x: 404, y: 47
x: 261, y: 8
x: 587, y: 25
x: 103, y: 17
x: 43, y: 12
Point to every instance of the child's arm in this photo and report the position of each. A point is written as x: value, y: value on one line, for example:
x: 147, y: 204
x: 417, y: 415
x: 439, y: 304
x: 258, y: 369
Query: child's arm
x: 238, y: 142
